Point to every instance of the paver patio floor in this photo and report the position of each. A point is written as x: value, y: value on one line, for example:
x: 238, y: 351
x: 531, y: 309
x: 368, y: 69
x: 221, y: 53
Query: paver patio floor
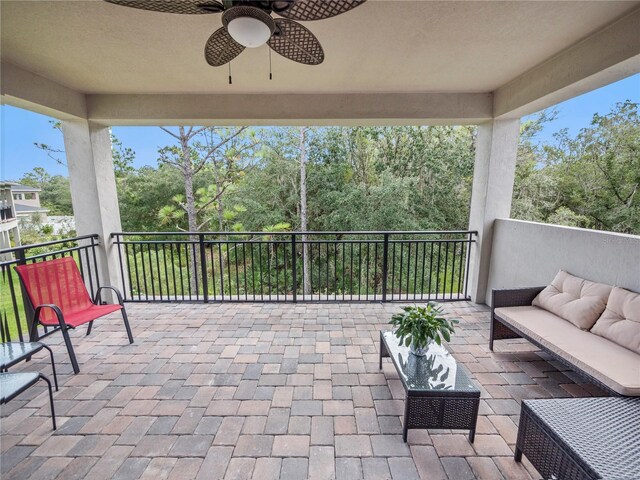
x: 241, y: 391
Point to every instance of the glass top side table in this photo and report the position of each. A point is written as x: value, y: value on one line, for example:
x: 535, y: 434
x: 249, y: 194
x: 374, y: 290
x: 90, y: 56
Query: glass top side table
x: 439, y: 393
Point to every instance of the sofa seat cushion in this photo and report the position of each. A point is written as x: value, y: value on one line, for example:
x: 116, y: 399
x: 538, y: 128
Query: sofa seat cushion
x: 575, y: 299
x: 613, y: 365
x: 620, y: 321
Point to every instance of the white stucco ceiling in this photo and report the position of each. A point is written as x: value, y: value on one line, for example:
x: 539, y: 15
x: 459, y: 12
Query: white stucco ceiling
x: 381, y: 46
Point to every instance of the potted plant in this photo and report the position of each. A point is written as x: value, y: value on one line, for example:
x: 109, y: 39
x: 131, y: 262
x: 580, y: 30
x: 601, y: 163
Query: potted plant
x: 416, y: 327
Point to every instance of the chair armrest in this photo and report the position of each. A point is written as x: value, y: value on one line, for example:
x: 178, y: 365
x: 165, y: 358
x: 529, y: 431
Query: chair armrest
x: 514, y: 297
x: 55, y: 308
x: 114, y: 289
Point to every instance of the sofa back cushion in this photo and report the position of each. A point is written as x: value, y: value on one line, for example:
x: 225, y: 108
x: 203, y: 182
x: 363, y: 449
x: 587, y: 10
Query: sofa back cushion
x: 620, y: 321
x: 575, y: 299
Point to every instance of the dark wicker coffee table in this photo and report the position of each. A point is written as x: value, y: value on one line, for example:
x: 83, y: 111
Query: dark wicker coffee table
x: 581, y: 438
x: 439, y: 393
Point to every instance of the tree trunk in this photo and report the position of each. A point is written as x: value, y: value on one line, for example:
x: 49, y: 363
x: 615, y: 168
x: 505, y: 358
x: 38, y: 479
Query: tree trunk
x: 187, y: 172
x: 220, y: 205
x: 221, y: 217
x: 303, y: 211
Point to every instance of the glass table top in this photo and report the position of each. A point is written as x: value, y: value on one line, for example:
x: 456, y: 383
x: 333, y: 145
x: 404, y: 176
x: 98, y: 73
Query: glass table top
x: 437, y: 370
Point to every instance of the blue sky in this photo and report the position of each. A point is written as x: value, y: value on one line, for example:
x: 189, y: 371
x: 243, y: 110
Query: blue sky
x: 19, y: 129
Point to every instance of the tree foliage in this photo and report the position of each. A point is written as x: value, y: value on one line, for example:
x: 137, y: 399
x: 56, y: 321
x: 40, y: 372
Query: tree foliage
x: 217, y: 157
x: 363, y: 178
x: 55, y: 192
x: 590, y: 180
x: 374, y: 178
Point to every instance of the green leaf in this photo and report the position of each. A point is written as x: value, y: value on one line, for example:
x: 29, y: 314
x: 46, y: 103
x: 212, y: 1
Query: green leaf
x: 446, y: 336
x: 418, y: 325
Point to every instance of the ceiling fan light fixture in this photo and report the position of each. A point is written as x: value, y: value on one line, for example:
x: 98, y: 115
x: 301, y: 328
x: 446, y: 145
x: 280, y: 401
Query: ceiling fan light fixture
x: 249, y: 32
x: 249, y: 26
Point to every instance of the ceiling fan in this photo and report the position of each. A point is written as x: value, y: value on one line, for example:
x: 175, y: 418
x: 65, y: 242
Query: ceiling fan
x: 249, y: 23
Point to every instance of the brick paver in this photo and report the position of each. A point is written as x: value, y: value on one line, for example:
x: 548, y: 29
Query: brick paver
x: 265, y: 391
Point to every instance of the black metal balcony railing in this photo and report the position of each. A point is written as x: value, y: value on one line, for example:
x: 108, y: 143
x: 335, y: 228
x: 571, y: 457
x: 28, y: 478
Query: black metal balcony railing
x: 14, y: 321
x: 259, y: 266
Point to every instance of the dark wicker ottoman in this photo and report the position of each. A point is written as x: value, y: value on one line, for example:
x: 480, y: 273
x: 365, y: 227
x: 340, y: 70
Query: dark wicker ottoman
x: 439, y: 393
x: 581, y: 438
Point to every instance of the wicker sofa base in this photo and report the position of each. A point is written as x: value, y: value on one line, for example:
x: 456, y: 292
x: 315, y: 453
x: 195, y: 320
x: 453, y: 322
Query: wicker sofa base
x: 500, y: 331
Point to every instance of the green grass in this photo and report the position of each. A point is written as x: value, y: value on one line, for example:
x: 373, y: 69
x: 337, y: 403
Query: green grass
x: 257, y: 272
x: 7, y: 310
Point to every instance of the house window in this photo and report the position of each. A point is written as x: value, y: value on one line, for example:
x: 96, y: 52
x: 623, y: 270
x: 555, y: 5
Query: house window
x: 17, y: 196
x: 29, y: 196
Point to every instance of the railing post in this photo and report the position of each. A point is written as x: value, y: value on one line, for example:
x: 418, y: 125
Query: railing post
x: 294, y: 268
x: 115, y: 240
x: 203, y: 267
x: 95, y: 260
x: 470, y: 241
x: 21, y: 257
x: 28, y: 309
x: 385, y: 266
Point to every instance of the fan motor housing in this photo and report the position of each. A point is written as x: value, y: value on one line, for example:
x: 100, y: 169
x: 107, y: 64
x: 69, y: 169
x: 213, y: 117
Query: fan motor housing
x: 252, y: 12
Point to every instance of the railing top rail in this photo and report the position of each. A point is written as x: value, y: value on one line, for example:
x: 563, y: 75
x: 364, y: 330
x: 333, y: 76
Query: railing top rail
x: 45, y: 244
x: 47, y: 254
x: 287, y: 242
x: 362, y: 232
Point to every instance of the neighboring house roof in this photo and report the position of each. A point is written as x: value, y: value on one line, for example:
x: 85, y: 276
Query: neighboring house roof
x: 29, y: 209
x: 23, y: 188
x: 16, y: 187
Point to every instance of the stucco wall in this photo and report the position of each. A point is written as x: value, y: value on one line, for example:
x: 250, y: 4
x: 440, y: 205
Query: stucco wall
x: 527, y: 254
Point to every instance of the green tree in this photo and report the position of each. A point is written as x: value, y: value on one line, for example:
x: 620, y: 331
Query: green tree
x: 123, y: 157
x: 222, y: 155
x: 590, y: 180
x: 535, y: 189
x: 270, y: 192
x: 599, y: 175
x: 55, y: 192
x: 143, y: 193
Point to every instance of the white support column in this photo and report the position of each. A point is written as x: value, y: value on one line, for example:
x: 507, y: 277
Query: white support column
x: 16, y: 237
x: 493, y: 176
x: 5, y: 243
x: 93, y: 190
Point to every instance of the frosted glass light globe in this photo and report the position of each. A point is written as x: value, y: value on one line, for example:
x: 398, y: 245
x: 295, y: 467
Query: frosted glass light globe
x: 249, y: 31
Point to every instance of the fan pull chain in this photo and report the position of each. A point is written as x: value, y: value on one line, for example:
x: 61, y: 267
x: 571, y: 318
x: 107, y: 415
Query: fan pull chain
x: 230, y: 82
x: 270, y: 75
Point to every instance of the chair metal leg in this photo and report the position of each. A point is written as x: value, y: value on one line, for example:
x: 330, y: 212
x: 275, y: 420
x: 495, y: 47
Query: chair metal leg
x: 53, y: 412
x: 126, y: 324
x: 72, y: 355
x: 33, y: 334
x: 33, y: 337
x: 89, y: 329
x: 517, y: 456
x: 53, y: 366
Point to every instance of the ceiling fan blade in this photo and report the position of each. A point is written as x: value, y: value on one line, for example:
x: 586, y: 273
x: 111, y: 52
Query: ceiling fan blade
x: 185, y: 7
x: 305, y: 10
x: 221, y: 48
x: 295, y: 42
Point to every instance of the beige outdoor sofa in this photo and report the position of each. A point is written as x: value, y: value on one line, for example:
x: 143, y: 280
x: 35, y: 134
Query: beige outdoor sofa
x: 592, y: 327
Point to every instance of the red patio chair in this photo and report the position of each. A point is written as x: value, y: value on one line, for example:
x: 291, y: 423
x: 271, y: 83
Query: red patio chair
x: 59, y: 298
